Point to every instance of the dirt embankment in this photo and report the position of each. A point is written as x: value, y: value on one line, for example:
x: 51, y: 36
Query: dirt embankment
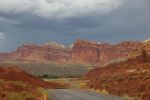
x: 129, y: 78
x: 16, y: 82
x: 17, y: 74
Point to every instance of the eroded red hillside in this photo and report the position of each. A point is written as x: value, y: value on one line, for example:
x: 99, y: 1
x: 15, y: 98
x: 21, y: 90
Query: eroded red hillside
x: 17, y: 74
x: 16, y: 84
x: 128, y: 78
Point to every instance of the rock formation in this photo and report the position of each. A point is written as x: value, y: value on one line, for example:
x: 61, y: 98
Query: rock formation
x: 3, y: 56
x: 144, y: 47
x: 82, y: 52
x: 50, y: 52
x: 92, y: 52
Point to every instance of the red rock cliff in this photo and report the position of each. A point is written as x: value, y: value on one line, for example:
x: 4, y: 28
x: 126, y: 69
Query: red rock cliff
x: 81, y: 52
x: 92, y: 52
x: 46, y: 52
x: 3, y: 56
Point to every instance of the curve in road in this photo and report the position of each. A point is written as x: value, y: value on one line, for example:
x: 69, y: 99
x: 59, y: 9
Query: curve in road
x: 68, y: 94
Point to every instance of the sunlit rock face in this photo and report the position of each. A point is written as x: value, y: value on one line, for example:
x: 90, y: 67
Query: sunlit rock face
x: 82, y: 52
x: 46, y: 52
x: 144, y: 47
x: 101, y: 53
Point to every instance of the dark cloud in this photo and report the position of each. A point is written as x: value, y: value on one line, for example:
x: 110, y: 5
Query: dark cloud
x: 131, y: 21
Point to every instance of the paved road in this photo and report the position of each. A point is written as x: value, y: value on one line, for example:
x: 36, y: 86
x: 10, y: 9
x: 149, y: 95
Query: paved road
x: 68, y: 94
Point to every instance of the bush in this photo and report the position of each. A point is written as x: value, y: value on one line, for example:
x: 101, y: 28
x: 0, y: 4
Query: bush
x: 45, y: 76
x: 15, y: 96
x: 1, y: 82
x: 18, y: 83
x: 53, y: 77
x: 43, y: 91
x: 48, y: 77
x: 70, y: 76
x: 29, y: 96
x: 144, y: 55
x: 20, y: 96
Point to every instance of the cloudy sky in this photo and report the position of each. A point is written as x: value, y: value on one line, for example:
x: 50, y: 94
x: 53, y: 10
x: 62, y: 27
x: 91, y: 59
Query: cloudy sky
x: 38, y: 21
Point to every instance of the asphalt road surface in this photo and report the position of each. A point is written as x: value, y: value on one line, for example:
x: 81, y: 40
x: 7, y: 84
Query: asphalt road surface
x: 68, y: 94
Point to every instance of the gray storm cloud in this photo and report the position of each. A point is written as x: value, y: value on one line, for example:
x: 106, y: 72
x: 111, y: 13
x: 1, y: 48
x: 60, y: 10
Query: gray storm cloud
x: 67, y: 20
x: 2, y: 36
x: 59, y: 8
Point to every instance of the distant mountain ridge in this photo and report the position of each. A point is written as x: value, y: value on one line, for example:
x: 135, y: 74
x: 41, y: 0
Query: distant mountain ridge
x: 82, y: 52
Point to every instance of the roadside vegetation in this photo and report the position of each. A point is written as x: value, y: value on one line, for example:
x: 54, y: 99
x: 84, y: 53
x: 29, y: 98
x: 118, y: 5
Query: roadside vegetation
x: 15, y: 90
x: 17, y: 84
x: 46, y: 76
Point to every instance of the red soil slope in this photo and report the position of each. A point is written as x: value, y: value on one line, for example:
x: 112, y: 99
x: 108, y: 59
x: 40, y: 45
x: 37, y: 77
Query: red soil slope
x: 131, y: 78
x: 17, y: 74
x: 16, y: 84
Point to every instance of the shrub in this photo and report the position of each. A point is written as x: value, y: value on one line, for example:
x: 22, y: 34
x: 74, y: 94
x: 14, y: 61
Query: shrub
x: 131, y: 98
x: 119, y: 78
x: 48, y: 77
x: 1, y: 82
x: 53, y: 77
x: 104, y: 91
x: 43, y: 91
x: 45, y: 76
x: 18, y: 83
x: 144, y: 55
x: 15, y: 96
x: 29, y: 96
x: 20, y: 96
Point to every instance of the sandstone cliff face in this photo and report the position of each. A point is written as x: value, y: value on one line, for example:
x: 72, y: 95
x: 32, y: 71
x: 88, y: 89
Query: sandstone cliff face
x: 3, y: 56
x: 144, y: 47
x: 46, y: 52
x: 82, y: 52
x: 91, y: 52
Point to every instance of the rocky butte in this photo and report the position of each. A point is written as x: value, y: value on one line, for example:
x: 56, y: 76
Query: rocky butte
x: 101, y: 53
x: 82, y: 52
x: 48, y: 52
